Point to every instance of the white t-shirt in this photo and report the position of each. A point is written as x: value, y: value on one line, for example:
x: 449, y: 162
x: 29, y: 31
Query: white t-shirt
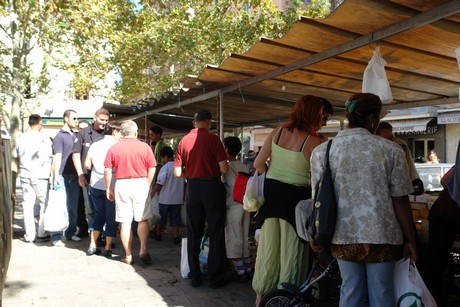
x: 172, y: 188
x: 97, y: 151
x: 35, y: 151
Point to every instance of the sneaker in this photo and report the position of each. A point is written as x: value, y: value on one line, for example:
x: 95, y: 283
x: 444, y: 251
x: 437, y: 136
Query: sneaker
x: 58, y: 243
x: 75, y: 238
x: 93, y: 251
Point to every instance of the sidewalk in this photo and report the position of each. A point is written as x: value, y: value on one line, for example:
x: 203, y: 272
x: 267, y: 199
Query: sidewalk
x: 44, y: 275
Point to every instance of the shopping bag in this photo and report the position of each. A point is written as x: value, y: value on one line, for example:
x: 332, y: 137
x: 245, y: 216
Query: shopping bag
x: 375, y: 79
x: 410, y: 290
x: 321, y: 223
x: 56, y: 216
x: 303, y: 211
x: 253, y: 198
x: 155, y: 204
x: 239, y: 186
x: 184, y: 268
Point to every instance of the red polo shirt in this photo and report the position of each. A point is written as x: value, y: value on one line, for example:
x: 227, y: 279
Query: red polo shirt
x: 130, y: 158
x: 200, y: 152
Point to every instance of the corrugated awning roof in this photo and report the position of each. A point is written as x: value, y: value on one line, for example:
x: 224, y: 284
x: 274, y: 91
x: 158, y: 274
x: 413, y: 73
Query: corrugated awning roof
x: 327, y: 58
x: 410, y: 125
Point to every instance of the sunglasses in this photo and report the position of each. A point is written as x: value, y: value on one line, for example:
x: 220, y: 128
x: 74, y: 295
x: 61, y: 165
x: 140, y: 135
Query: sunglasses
x: 75, y: 118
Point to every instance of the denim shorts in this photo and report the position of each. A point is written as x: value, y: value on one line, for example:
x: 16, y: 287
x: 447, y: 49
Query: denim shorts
x: 174, y: 214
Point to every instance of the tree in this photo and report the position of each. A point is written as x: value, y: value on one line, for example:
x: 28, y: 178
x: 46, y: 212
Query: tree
x: 153, y: 44
x: 25, y: 27
x: 149, y: 44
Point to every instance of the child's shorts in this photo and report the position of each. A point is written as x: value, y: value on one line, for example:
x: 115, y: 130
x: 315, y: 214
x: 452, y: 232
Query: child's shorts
x: 174, y: 214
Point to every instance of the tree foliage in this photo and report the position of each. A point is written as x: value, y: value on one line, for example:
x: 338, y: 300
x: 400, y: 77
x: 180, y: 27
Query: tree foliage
x: 149, y: 44
x: 153, y: 44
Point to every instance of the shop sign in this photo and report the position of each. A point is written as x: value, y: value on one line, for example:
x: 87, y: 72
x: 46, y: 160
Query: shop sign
x: 449, y: 119
x: 411, y: 130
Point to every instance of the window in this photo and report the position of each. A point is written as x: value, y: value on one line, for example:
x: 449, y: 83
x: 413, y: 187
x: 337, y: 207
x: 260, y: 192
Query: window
x: 421, y: 148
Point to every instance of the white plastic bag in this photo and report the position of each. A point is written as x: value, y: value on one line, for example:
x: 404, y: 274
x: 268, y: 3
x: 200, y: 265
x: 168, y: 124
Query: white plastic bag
x: 303, y: 211
x: 184, y: 268
x: 375, y: 79
x: 56, y: 216
x: 410, y: 290
x: 155, y: 205
x: 253, y: 198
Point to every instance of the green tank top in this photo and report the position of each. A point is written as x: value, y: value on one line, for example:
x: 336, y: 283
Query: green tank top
x: 289, y: 166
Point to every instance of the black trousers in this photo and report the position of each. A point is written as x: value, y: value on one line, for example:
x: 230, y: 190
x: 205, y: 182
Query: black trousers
x: 81, y: 222
x: 444, y: 225
x: 206, y: 203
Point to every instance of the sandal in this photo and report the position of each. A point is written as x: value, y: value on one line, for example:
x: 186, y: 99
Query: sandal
x: 146, y: 259
x: 127, y: 261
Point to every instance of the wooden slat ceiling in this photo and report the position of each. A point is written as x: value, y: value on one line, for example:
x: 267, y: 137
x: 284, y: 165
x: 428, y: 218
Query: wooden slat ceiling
x: 421, y: 66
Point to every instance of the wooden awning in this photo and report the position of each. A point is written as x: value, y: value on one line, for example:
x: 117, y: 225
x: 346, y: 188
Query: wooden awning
x: 327, y: 58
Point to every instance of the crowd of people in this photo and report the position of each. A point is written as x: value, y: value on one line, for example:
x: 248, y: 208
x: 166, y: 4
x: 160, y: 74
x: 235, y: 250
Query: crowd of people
x: 118, y: 175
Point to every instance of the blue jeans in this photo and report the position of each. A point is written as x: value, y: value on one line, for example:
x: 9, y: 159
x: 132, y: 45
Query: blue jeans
x: 376, y: 277
x: 72, y: 190
x: 105, y: 213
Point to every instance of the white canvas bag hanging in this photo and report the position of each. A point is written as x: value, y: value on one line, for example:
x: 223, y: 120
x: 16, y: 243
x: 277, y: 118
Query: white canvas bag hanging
x: 375, y: 79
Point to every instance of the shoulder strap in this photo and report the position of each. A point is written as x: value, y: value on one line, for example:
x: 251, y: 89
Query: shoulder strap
x: 304, y: 142
x: 279, y: 135
x: 328, y: 166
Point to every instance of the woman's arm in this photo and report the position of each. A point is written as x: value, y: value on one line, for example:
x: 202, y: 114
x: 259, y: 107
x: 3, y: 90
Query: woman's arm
x: 264, y: 153
x: 403, y: 212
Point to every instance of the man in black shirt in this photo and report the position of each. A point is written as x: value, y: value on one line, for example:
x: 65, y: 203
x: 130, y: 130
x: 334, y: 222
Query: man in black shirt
x: 85, y: 138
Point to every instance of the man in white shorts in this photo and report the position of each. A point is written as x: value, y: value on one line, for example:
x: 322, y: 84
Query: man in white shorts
x: 134, y: 166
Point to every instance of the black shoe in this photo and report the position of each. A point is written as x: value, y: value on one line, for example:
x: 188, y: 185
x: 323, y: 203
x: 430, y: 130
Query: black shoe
x: 82, y: 235
x: 43, y: 239
x: 239, y: 278
x: 106, y: 253
x: 177, y: 240
x: 146, y: 259
x: 219, y: 283
x: 196, y: 281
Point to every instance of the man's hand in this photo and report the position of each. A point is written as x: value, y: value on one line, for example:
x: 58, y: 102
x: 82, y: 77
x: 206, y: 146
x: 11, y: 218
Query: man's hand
x: 56, y: 181
x: 82, y: 181
x: 110, y: 195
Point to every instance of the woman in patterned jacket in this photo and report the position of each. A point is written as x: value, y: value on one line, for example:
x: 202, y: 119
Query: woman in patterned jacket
x: 374, y: 218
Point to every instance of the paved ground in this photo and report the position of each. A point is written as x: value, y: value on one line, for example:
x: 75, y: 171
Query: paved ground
x: 43, y: 275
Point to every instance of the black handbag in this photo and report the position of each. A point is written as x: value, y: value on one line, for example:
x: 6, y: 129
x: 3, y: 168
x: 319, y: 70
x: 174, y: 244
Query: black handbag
x: 321, y: 223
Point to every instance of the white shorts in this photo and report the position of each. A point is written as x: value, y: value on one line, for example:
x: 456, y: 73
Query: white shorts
x: 131, y: 200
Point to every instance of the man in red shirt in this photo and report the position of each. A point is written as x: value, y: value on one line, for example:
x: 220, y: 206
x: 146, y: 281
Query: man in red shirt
x: 134, y: 166
x: 201, y: 158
